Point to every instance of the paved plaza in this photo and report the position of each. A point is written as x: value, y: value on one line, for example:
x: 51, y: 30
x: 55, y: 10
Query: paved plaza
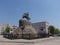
x: 44, y: 41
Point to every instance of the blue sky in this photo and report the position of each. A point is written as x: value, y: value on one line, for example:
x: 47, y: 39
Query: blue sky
x: 40, y: 10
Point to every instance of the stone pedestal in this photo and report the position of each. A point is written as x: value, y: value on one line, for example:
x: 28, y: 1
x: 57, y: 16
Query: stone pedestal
x: 28, y: 31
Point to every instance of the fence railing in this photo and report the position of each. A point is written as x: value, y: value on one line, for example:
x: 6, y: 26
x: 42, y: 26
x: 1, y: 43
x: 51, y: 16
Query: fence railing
x: 24, y: 36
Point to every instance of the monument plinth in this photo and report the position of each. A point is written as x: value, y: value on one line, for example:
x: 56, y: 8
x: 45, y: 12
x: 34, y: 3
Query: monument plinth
x: 26, y: 30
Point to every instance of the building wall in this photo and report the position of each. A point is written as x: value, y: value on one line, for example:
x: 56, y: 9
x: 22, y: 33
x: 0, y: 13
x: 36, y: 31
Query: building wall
x: 3, y: 27
x: 41, y: 27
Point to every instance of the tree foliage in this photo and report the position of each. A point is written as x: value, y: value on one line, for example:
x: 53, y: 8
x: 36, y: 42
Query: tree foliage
x: 53, y: 30
x: 56, y: 31
x: 7, y: 29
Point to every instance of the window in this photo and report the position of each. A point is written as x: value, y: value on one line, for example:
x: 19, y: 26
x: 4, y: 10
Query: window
x: 41, y: 28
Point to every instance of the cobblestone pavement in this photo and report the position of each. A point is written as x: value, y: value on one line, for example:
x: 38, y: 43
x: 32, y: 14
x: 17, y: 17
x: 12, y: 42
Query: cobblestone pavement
x: 52, y: 41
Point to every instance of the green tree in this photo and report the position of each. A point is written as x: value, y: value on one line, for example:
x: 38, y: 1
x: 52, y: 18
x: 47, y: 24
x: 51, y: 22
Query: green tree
x: 7, y: 29
x: 56, y: 31
x: 59, y: 31
x: 51, y: 28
